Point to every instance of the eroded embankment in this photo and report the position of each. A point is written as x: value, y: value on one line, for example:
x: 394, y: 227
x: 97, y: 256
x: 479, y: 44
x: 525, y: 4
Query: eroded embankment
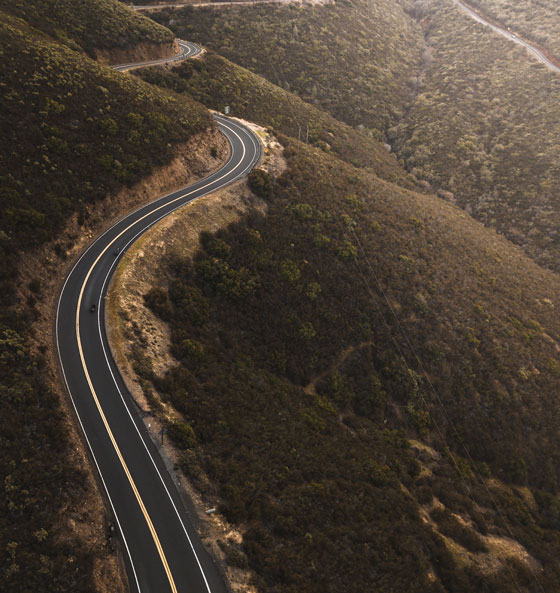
x: 132, y: 326
x: 48, y: 267
x: 139, y: 53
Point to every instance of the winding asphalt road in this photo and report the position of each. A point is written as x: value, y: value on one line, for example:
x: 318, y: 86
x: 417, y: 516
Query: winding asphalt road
x: 163, y: 553
x: 534, y: 51
x: 188, y: 50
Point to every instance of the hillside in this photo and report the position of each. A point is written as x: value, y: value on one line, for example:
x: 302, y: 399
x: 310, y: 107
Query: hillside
x: 75, y: 136
x: 217, y: 82
x: 104, y: 28
x: 535, y: 20
x: 354, y: 60
x: 362, y: 379
x: 308, y: 416
x: 482, y: 126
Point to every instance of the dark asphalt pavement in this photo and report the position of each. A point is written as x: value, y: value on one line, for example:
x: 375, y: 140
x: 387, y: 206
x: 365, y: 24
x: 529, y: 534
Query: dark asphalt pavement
x: 162, y: 550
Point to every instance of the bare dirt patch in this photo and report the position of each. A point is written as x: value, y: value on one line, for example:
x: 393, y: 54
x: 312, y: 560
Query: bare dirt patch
x: 141, y: 52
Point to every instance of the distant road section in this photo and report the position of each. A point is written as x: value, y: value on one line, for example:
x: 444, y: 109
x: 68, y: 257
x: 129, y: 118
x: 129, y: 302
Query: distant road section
x: 188, y: 50
x: 213, y: 4
x: 532, y: 49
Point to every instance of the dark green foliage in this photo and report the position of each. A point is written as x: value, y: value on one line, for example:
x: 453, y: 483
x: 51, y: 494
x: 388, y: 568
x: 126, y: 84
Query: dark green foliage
x: 302, y: 405
x: 536, y: 20
x: 182, y: 434
x: 260, y: 183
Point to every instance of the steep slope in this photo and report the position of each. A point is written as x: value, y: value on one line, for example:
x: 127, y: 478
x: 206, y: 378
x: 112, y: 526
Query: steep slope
x: 355, y: 60
x: 217, y: 82
x: 362, y: 334
x: 74, y: 134
x: 313, y: 341
x: 101, y: 28
x: 484, y: 127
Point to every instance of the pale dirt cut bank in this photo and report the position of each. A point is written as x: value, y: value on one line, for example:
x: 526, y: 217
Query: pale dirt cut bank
x: 130, y: 322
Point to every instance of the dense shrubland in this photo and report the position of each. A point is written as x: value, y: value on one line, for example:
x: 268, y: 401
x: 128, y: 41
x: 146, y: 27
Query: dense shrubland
x: 72, y: 132
x: 217, y: 82
x: 536, y: 20
x: 483, y: 130
x: 355, y: 60
x: 298, y: 405
x: 89, y: 25
x: 482, y: 127
x: 84, y: 131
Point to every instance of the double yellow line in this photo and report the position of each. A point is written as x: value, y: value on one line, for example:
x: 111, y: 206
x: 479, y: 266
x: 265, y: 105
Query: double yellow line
x: 114, y: 442
x: 92, y: 389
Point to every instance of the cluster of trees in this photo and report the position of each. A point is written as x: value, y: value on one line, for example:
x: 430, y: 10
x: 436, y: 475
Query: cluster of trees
x: 299, y: 407
x: 72, y: 132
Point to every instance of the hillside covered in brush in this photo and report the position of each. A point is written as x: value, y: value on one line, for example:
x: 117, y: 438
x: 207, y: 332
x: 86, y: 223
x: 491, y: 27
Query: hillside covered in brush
x: 364, y: 374
x: 217, y: 82
x: 73, y: 133
x: 468, y: 113
x: 484, y: 127
x: 89, y: 25
x: 369, y: 386
x: 355, y: 60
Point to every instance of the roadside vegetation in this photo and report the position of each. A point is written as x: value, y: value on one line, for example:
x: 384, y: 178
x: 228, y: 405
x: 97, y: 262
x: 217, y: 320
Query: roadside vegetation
x: 217, y: 82
x: 301, y: 392
x: 73, y: 132
x: 535, y: 20
x: 89, y: 25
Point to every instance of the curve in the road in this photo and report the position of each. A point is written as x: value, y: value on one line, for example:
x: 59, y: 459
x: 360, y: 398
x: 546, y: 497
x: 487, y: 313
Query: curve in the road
x: 188, y: 50
x: 532, y: 49
x: 163, y: 551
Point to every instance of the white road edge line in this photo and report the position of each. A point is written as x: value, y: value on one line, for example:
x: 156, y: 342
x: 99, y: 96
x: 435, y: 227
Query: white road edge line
x: 109, y: 273
x: 85, y: 433
x: 253, y: 162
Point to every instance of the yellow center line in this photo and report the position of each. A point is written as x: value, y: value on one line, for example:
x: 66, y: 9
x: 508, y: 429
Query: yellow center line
x: 93, y: 392
x: 121, y: 459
